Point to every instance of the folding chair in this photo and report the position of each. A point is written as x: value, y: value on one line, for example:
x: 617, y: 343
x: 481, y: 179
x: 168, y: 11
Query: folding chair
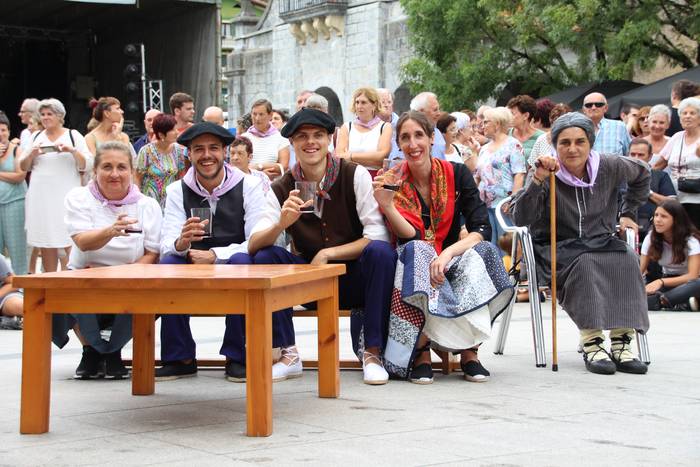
x: 522, y: 235
x: 642, y: 343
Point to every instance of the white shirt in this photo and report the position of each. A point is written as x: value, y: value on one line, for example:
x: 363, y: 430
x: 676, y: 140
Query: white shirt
x: 266, y: 150
x: 670, y: 268
x: 365, y: 204
x: 255, y: 207
x: 84, y: 212
x: 25, y: 140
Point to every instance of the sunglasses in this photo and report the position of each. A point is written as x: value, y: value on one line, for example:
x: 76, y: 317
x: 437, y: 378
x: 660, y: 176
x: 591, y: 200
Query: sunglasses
x: 590, y: 105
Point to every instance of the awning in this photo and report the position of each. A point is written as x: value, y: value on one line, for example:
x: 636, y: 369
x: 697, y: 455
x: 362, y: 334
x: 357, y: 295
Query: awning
x: 658, y: 92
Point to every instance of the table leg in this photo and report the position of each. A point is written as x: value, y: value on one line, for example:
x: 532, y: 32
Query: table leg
x: 328, y: 353
x: 143, y: 360
x: 258, y: 331
x: 36, y: 365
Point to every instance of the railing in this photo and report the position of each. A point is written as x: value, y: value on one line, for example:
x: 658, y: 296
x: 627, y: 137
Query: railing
x: 294, y: 8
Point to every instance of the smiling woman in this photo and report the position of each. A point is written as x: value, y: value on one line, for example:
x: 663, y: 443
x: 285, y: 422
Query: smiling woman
x: 111, y: 223
x: 57, y: 158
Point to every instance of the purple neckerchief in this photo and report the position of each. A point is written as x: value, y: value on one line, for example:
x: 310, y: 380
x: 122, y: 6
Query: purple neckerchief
x: 591, y: 166
x: 132, y: 196
x: 231, y: 179
x: 369, y: 125
x: 269, y: 132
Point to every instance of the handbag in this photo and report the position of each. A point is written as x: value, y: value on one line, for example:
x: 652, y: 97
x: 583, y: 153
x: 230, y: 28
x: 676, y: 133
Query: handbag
x: 687, y: 184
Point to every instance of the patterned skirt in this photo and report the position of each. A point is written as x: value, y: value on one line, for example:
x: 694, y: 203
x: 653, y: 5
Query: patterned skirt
x: 455, y: 316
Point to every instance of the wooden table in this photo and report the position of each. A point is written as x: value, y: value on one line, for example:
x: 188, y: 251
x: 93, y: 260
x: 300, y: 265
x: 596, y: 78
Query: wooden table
x: 145, y: 290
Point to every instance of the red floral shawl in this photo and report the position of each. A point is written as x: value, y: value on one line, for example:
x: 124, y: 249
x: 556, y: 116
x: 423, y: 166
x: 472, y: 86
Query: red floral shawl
x: 442, y: 203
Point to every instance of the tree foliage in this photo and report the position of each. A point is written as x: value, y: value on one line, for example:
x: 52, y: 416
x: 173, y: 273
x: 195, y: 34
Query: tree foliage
x: 468, y: 50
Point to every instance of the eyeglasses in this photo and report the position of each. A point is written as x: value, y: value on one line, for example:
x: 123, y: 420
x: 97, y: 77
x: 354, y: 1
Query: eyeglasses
x: 590, y: 105
x: 644, y: 118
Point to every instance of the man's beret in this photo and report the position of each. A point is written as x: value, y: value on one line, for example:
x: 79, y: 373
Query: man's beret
x: 308, y: 117
x: 199, y: 129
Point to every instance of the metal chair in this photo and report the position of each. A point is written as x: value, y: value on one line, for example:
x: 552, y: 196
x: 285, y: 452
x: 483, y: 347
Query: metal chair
x: 522, y: 235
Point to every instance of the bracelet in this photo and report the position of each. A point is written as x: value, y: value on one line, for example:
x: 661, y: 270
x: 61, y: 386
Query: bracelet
x: 662, y: 283
x: 537, y: 180
x: 281, y: 168
x: 350, y: 156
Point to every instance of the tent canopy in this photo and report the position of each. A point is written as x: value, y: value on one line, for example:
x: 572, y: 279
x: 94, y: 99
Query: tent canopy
x: 658, y: 92
x: 574, y: 96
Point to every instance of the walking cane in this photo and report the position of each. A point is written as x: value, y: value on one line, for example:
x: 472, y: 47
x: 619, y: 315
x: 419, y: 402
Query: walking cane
x: 553, y: 246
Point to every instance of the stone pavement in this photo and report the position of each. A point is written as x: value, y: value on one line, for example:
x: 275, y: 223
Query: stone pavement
x: 523, y: 416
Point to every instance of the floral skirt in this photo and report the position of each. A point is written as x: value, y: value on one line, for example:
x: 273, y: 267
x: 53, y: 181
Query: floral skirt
x: 455, y: 316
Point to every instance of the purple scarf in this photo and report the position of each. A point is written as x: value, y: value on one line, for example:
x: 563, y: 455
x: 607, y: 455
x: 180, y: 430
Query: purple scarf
x: 269, y: 132
x: 231, y: 179
x: 132, y: 196
x: 369, y: 125
x: 591, y: 166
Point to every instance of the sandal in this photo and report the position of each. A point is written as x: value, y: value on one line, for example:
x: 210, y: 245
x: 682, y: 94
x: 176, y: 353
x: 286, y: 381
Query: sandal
x: 423, y: 373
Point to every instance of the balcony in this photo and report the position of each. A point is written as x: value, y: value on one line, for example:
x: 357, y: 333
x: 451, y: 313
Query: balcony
x: 300, y: 10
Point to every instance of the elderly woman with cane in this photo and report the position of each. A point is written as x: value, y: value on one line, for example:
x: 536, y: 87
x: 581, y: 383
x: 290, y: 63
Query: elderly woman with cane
x: 600, y: 285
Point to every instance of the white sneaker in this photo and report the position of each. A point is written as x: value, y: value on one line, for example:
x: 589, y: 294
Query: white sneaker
x: 282, y: 370
x: 694, y: 303
x: 372, y: 369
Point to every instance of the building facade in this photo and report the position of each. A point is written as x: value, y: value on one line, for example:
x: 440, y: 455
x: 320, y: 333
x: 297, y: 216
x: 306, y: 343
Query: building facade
x: 328, y: 46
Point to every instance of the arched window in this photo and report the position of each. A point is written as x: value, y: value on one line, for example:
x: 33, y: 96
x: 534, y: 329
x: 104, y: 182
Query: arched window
x: 335, y: 110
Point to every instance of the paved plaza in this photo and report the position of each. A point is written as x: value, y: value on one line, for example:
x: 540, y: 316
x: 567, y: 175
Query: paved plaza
x: 523, y: 416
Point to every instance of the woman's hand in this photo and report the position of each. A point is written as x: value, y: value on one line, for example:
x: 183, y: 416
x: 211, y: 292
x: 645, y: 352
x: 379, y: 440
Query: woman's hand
x: 384, y: 197
x: 544, y: 165
x: 438, y: 267
x: 118, y: 229
x: 654, y: 286
x: 65, y: 148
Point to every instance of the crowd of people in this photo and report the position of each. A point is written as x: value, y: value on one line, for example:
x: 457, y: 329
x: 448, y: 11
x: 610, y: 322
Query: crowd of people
x: 408, y: 202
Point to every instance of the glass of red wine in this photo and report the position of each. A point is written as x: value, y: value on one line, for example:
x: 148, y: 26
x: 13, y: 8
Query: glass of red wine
x: 307, y: 192
x: 131, y: 211
x: 392, y: 170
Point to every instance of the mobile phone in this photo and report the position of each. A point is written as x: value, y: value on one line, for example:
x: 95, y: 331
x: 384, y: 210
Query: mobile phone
x: 47, y: 149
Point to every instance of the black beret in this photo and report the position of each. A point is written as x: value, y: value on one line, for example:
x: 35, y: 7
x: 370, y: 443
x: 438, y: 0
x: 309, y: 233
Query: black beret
x: 199, y: 129
x: 308, y: 117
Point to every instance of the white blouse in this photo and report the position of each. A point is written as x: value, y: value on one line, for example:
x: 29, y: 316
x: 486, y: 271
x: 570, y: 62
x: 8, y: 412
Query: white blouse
x: 84, y: 213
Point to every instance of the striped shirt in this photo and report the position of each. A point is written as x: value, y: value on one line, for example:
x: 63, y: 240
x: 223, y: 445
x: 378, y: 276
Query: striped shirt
x: 612, y: 138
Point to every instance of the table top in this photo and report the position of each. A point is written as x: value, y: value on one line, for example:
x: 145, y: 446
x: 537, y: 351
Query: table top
x: 182, y: 276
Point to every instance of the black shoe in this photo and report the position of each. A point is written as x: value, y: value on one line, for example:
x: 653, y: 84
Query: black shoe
x: 175, y: 370
x: 475, y: 372
x: 423, y: 373
x: 90, y: 366
x: 620, y: 344
x: 114, y: 366
x: 235, y: 371
x: 635, y: 367
x: 600, y: 367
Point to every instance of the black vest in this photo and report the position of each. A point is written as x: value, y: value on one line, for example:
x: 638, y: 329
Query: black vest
x: 339, y: 224
x: 228, y: 224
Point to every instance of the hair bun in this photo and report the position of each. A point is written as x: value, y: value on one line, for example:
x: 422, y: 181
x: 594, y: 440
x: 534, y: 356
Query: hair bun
x: 92, y: 103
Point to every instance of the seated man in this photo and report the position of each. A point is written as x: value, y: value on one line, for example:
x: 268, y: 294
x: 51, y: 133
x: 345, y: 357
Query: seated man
x: 11, y: 299
x: 347, y: 227
x: 237, y: 203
